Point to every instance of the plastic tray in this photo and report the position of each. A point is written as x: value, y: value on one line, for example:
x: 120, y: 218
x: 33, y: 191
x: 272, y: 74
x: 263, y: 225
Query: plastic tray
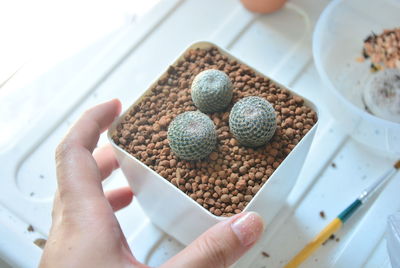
x: 279, y: 45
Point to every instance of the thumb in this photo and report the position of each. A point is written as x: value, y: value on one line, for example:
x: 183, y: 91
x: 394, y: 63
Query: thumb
x: 221, y: 245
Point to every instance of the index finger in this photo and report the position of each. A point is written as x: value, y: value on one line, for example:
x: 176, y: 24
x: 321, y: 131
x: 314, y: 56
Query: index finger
x: 77, y: 172
x: 93, y: 122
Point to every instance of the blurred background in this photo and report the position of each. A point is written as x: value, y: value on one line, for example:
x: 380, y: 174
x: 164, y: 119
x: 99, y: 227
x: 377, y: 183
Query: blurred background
x: 46, y: 43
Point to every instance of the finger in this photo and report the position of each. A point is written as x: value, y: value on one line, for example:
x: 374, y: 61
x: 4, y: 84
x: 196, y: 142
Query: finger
x: 119, y: 198
x: 56, y: 207
x: 106, y: 160
x: 86, y: 131
x: 78, y: 176
x: 221, y: 245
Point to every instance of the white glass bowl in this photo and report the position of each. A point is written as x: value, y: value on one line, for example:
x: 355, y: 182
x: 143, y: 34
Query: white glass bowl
x: 337, y: 43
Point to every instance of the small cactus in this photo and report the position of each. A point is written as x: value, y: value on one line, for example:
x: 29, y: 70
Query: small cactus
x: 211, y: 91
x: 192, y: 135
x: 252, y: 121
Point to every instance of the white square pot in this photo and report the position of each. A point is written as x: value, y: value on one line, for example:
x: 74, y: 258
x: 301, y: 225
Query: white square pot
x: 180, y: 216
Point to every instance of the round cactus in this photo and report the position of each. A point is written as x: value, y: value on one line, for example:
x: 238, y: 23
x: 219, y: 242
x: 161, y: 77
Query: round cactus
x: 192, y: 135
x: 252, y: 121
x: 211, y: 91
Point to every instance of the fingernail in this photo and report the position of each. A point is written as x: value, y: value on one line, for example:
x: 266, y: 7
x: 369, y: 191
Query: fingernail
x: 248, y: 228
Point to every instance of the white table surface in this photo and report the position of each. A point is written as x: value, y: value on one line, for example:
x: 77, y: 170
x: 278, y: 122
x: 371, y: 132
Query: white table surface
x: 124, y: 64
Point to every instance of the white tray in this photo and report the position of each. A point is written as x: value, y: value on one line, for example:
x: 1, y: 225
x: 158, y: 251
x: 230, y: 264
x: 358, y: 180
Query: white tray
x: 278, y: 45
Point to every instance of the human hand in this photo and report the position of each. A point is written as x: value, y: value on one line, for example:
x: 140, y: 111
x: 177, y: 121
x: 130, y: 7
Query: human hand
x: 85, y: 231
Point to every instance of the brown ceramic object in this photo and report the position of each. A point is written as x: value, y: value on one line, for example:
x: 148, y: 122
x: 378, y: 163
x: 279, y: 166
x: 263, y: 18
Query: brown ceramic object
x: 263, y: 6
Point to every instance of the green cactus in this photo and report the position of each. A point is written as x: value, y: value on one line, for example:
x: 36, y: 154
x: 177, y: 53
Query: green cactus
x: 252, y: 121
x: 192, y: 135
x: 211, y: 91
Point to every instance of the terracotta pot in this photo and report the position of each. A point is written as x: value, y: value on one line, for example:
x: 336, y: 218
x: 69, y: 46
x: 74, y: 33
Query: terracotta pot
x: 263, y: 6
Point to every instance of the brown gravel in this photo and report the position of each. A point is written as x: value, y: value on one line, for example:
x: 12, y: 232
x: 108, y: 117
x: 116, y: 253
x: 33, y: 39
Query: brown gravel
x: 265, y: 254
x: 226, y: 181
x: 40, y: 242
x: 383, y: 49
x: 322, y: 214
